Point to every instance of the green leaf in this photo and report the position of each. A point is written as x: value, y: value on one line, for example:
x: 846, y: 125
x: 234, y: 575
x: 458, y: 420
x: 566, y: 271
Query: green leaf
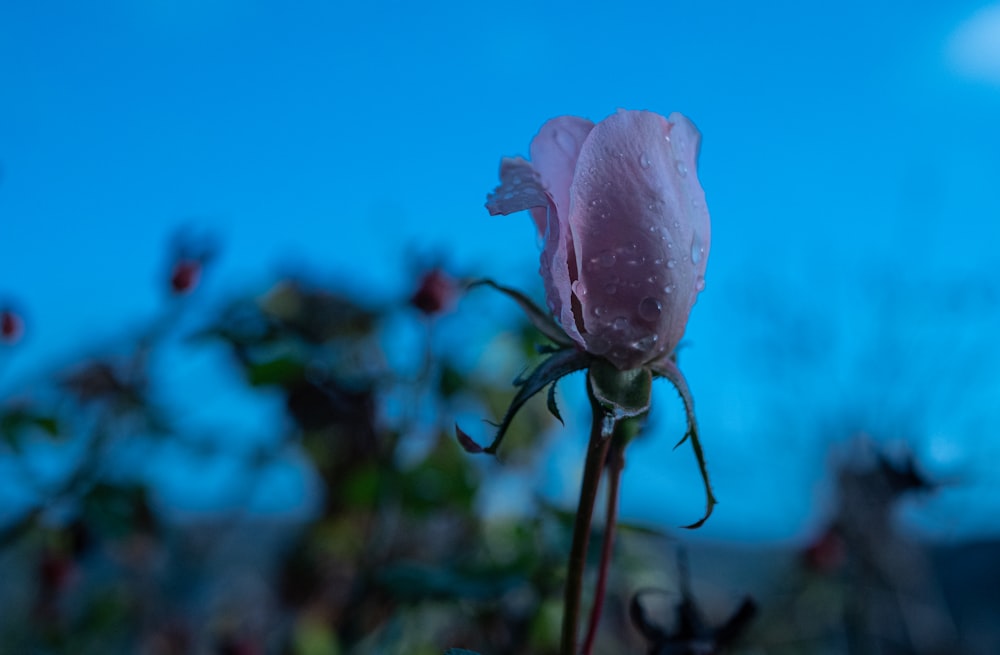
x: 540, y: 319
x: 557, y: 365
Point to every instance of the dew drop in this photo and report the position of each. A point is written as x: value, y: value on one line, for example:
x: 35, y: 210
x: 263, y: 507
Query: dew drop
x: 593, y: 171
x: 606, y: 259
x: 644, y: 162
x: 671, y: 263
x: 600, y: 310
x: 682, y: 168
x: 610, y: 289
x: 620, y: 323
x: 579, y: 289
x: 697, y: 249
x: 650, y: 308
x: 668, y: 289
x: 593, y: 203
x: 699, y: 285
x: 645, y: 344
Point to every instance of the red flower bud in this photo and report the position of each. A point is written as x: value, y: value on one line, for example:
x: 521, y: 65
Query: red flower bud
x: 11, y: 327
x: 435, y: 294
x: 184, y: 278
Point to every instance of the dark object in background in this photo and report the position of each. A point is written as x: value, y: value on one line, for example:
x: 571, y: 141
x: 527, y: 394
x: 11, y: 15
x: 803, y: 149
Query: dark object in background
x: 690, y: 635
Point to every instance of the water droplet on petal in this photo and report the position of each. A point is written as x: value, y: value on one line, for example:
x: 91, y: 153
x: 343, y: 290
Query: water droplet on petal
x: 699, y: 285
x: 606, y: 259
x: 644, y: 160
x: 593, y: 203
x: 650, y: 308
x: 682, y: 168
x: 620, y: 323
x: 668, y: 289
x: 579, y: 289
x: 599, y: 311
x: 697, y: 249
x: 645, y: 344
x: 610, y: 289
x: 671, y: 263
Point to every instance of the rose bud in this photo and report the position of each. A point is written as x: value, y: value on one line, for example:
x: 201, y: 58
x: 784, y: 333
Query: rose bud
x: 11, y: 327
x: 184, y: 276
x: 625, y: 227
x: 435, y: 294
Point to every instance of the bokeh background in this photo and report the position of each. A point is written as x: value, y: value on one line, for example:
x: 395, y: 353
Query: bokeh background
x: 850, y: 157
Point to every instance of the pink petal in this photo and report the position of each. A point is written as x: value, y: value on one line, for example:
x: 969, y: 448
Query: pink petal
x: 641, y: 235
x: 520, y: 189
x: 554, y: 153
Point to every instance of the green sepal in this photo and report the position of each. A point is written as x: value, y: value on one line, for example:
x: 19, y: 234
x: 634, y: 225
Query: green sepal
x: 542, y: 321
x: 623, y: 394
x: 553, y: 407
x: 557, y: 365
x: 667, y: 368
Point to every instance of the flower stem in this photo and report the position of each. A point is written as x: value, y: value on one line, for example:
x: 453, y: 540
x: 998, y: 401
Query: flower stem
x: 597, y: 452
x: 616, y: 462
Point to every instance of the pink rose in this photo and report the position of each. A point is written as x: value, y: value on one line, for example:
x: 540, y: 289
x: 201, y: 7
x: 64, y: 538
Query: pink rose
x: 625, y: 228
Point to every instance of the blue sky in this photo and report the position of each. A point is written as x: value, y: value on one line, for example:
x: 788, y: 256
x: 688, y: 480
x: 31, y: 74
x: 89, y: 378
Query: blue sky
x: 850, y: 158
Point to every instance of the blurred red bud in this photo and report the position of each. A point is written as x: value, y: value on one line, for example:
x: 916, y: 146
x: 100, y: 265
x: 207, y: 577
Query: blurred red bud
x: 436, y: 292
x: 826, y: 553
x: 185, y: 275
x: 11, y: 327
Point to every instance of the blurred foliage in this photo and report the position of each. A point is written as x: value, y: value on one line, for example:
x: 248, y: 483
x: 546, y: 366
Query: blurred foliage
x: 397, y: 555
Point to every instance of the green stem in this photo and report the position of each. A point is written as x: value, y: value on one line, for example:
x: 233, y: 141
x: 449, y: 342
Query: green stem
x: 616, y: 462
x: 597, y: 452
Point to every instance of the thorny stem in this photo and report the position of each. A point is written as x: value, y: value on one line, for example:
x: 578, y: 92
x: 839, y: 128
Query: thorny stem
x: 615, y: 463
x: 597, y: 452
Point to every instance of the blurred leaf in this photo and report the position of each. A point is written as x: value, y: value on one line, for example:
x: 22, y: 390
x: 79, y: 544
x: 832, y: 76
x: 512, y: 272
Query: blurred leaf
x: 451, y: 381
x: 361, y: 487
x: 17, y: 420
x: 417, y: 582
x: 313, y: 636
x: 460, y: 651
x: 279, y: 371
